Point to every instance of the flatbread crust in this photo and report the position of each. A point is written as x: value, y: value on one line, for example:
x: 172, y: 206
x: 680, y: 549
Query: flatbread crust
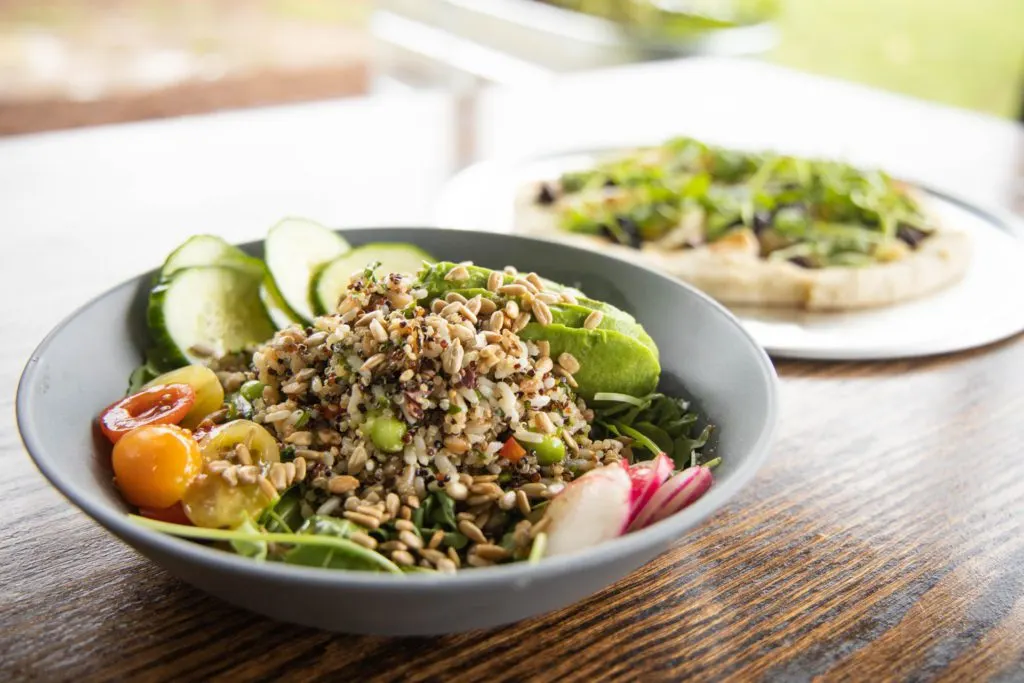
x: 731, y: 270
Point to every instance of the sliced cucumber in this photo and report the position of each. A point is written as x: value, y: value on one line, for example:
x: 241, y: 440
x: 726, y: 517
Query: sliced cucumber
x: 280, y: 312
x: 294, y: 249
x: 208, y: 250
x: 331, y: 280
x: 217, y: 307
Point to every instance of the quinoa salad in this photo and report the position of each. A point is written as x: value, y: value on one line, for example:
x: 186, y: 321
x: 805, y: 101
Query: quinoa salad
x: 409, y: 415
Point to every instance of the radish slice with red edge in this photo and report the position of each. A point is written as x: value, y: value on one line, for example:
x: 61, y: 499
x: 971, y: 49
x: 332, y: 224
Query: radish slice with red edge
x: 674, y: 495
x: 647, y: 477
x: 592, y: 509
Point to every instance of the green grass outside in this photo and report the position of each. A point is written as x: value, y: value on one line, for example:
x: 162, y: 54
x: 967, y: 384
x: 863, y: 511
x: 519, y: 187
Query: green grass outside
x: 968, y: 53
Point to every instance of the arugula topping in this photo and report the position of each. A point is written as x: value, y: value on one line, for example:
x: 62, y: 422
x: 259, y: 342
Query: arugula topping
x: 814, y: 213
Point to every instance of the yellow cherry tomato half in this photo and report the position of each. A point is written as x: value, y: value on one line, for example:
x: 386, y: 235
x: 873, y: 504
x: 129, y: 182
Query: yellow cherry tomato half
x: 210, y: 502
x: 154, y: 464
x: 221, y: 441
x: 203, y: 380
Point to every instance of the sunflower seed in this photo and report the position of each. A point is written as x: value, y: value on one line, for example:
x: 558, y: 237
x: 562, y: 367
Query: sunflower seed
x: 342, y: 484
x: 512, y: 290
x: 457, y: 274
x: 541, y: 312
x: 494, y: 281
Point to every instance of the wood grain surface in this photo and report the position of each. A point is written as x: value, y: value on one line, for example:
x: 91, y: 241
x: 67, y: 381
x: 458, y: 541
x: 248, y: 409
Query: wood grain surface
x: 883, y: 540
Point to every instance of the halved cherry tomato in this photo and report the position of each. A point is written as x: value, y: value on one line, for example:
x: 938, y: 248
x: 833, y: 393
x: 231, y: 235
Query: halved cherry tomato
x: 164, y: 404
x: 203, y: 380
x: 173, y: 515
x: 210, y: 502
x: 512, y: 451
x: 153, y: 464
x: 221, y: 441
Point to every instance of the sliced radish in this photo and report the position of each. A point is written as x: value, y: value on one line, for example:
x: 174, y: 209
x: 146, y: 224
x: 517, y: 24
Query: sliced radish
x: 647, y: 476
x: 593, y: 509
x: 674, y: 495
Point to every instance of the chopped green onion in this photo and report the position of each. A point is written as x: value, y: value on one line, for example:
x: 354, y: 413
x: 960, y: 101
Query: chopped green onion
x: 241, y: 536
x: 639, y: 438
x: 540, y: 543
x: 619, y: 398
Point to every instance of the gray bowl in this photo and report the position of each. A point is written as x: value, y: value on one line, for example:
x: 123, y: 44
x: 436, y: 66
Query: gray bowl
x: 83, y: 365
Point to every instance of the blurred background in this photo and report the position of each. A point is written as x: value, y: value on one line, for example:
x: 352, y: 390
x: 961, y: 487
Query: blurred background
x: 68, y: 63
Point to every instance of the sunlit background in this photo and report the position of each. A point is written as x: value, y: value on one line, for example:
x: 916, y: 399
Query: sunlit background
x: 66, y: 63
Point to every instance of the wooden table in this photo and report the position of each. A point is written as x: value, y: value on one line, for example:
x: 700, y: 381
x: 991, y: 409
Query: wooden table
x: 884, y: 540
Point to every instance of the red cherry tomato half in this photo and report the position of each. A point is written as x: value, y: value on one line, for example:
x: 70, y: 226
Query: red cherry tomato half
x: 163, y: 404
x: 174, y: 514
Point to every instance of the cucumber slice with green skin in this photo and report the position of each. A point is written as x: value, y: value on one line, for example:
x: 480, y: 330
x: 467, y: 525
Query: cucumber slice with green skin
x: 218, y: 307
x: 209, y: 250
x: 279, y: 311
x: 294, y: 249
x: 331, y: 279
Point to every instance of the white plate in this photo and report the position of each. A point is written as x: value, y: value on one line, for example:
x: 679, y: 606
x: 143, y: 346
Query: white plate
x: 985, y: 307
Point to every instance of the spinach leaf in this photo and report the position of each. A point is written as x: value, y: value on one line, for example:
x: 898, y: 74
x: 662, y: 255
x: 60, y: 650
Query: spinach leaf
x: 238, y: 407
x: 427, y: 506
x: 343, y: 555
x: 254, y: 549
x: 454, y: 539
x: 686, y: 448
x: 658, y: 435
x: 640, y: 438
x: 141, y: 375
x: 508, y: 542
x: 285, y: 515
x: 657, y: 423
x: 444, y: 510
x: 419, y: 516
x: 679, y: 426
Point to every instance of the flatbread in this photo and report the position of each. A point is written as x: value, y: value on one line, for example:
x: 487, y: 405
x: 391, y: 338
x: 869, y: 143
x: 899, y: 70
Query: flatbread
x: 732, y: 271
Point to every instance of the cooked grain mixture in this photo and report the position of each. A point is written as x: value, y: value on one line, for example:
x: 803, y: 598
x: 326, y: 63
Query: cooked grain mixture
x: 400, y: 418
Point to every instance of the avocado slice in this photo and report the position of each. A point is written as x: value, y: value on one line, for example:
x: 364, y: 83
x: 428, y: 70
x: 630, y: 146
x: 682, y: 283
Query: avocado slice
x: 609, y: 360
x: 617, y: 356
x: 573, y: 316
x: 432, y: 277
